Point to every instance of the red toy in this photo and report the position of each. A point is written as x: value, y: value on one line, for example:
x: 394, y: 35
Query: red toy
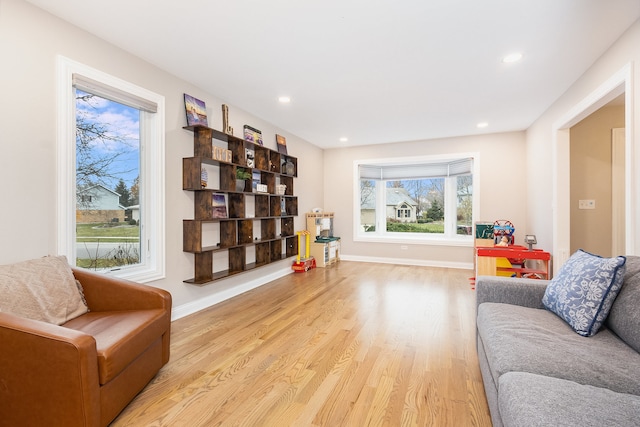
x: 300, y: 265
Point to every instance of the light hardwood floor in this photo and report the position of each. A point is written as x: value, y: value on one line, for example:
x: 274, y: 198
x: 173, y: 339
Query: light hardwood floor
x: 356, y: 344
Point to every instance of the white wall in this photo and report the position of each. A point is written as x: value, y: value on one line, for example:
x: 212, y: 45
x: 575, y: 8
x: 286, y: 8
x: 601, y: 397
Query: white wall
x: 540, y: 136
x: 501, y: 185
x: 30, y: 40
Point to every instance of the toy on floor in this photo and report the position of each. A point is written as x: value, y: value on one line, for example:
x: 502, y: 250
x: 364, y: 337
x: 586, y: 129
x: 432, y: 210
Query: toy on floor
x: 300, y: 265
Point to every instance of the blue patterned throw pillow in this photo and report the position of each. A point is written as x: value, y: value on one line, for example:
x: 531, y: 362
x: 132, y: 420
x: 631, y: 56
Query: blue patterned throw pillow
x: 584, y: 290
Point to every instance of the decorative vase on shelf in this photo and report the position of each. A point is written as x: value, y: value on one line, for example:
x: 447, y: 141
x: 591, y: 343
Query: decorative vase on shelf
x: 241, y: 176
x: 288, y: 168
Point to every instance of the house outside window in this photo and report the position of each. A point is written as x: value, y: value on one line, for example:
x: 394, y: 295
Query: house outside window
x: 429, y: 199
x: 111, y: 174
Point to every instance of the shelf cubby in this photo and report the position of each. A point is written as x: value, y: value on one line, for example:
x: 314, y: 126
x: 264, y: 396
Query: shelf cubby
x: 228, y: 233
x: 262, y: 158
x: 288, y: 181
x: 291, y: 204
x: 261, y: 205
x: 292, y: 246
x: 268, y: 229
x: 245, y: 231
x: 235, y: 206
x: 236, y: 259
x: 274, y: 161
x: 286, y: 227
x: 276, y: 250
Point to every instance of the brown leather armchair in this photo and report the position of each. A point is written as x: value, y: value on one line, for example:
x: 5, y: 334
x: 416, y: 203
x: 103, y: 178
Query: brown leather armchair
x: 84, y: 372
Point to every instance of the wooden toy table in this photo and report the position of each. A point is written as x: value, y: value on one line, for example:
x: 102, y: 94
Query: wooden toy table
x: 517, y: 255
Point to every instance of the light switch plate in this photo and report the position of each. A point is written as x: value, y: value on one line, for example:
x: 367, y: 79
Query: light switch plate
x: 586, y: 204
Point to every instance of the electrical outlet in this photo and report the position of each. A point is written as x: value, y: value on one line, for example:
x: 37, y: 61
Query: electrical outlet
x: 586, y: 204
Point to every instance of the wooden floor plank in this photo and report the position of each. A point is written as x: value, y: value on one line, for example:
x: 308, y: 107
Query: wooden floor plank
x: 355, y: 344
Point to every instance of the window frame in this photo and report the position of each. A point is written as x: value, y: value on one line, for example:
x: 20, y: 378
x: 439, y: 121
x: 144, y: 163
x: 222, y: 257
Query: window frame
x: 449, y: 237
x: 152, y: 172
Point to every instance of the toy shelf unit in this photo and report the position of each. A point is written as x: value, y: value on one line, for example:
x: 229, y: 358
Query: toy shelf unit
x: 237, y: 226
x: 320, y: 224
x: 515, y: 260
x: 325, y: 250
x: 326, y: 247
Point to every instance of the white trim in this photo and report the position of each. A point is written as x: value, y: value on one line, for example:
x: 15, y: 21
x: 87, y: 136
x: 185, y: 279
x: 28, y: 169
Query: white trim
x: 208, y: 301
x: 126, y: 97
x: 416, y: 159
x: 618, y: 190
x: 65, y: 175
x: 153, y: 165
x: 417, y: 239
x: 407, y: 261
x: 621, y: 82
x: 450, y: 208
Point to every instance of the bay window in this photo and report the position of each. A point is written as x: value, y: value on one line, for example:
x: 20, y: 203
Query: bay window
x: 429, y: 199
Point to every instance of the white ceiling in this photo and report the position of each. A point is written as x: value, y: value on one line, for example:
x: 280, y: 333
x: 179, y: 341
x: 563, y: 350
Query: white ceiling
x: 374, y: 71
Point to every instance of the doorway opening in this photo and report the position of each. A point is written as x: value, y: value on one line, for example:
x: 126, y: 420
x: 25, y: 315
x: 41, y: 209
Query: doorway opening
x: 616, y: 86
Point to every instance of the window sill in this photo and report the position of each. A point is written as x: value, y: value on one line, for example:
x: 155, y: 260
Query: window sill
x: 139, y: 275
x: 429, y: 239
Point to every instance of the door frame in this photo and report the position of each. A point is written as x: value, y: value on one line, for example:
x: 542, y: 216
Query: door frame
x: 618, y: 84
x: 618, y: 186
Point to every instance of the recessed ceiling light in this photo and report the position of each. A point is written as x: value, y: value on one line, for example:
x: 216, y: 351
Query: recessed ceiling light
x: 284, y: 99
x: 513, y: 57
x: 344, y: 139
x: 482, y: 125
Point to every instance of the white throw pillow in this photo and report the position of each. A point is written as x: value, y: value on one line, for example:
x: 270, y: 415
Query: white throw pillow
x: 41, y: 289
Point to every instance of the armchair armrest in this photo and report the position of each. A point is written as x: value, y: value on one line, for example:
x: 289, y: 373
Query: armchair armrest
x: 509, y: 290
x: 49, y: 366
x: 108, y: 293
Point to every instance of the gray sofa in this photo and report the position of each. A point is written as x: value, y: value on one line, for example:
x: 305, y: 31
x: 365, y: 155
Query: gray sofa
x: 537, y: 371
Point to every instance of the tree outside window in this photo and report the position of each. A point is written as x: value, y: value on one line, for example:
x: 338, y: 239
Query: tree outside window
x: 107, y: 175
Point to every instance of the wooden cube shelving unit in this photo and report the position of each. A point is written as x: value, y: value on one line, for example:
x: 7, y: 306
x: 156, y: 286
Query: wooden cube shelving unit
x: 239, y: 230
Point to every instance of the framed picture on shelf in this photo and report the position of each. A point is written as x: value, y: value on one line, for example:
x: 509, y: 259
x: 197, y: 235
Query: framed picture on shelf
x: 250, y: 157
x: 219, y: 206
x: 196, y: 111
x: 204, y: 178
x: 256, y: 179
x: 281, y: 142
x: 252, y: 135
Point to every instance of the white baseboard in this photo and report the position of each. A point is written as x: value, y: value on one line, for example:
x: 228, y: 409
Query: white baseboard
x: 206, y: 302
x: 407, y: 261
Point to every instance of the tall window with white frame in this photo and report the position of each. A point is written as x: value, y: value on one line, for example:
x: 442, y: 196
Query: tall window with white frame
x: 432, y: 198
x: 107, y: 183
x: 111, y: 174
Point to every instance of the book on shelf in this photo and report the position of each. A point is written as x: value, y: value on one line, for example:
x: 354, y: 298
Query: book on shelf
x: 219, y: 206
x: 252, y: 134
x: 281, y: 142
